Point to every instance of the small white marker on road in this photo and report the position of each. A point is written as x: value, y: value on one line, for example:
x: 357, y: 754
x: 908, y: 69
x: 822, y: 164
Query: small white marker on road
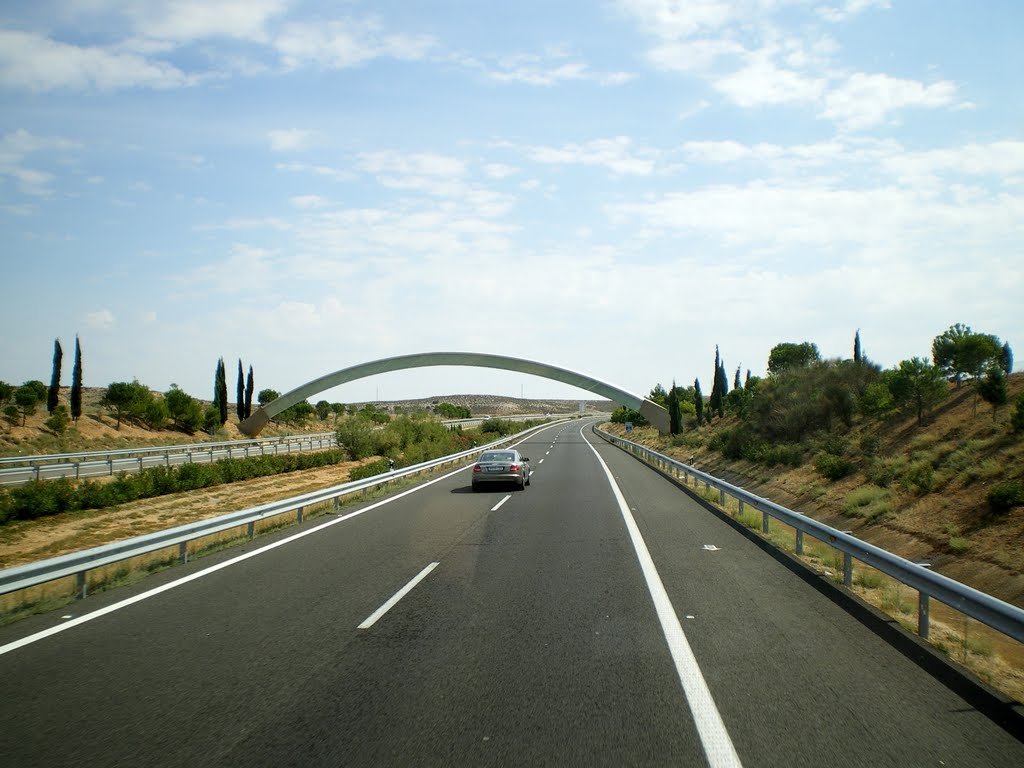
x: 711, y: 548
x: 497, y: 506
x: 539, y: 463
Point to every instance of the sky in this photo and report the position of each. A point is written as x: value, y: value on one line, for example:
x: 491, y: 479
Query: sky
x: 610, y: 187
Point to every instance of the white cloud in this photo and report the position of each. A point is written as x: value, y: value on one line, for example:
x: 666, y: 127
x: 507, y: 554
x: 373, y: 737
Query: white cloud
x: 289, y: 139
x: 692, y: 55
x: 500, y: 170
x: 671, y: 19
x: 338, y: 174
x: 419, y: 164
x: 101, y: 319
x: 31, y: 62
x: 760, y: 82
x: 346, y: 43
x: 865, y: 100
x: 308, y: 202
x: 15, y: 149
x: 190, y: 20
x: 851, y: 8
x: 617, y: 155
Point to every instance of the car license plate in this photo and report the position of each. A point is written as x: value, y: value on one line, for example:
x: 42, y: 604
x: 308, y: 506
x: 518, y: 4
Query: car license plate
x: 495, y: 469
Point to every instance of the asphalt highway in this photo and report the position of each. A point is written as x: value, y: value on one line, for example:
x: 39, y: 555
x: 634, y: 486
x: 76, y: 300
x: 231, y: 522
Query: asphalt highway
x: 595, y: 618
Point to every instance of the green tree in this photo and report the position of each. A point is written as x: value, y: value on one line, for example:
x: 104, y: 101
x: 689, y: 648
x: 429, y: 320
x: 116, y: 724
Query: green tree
x: 698, y: 402
x: 39, y: 388
x: 620, y: 415
x: 993, y: 390
x: 155, y: 413
x: 26, y: 397
x: 858, y: 355
x: 6, y: 392
x: 248, y: 393
x: 338, y: 409
x: 266, y: 396
x: 59, y: 419
x: 1007, y: 361
x: 323, y: 409
x: 787, y: 355
x: 960, y: 352
x: 356, y: 437
x: 919, y: 383
x: 658, y: 395
x: 1017, y: 417
x: 675, y: 413
x: 220, y: 391
x: 240, y: 393
x: 211, y: 419
x: 715, y: 401
x: 53, y: 393
x: 76, y: 384
x: 184, y: 410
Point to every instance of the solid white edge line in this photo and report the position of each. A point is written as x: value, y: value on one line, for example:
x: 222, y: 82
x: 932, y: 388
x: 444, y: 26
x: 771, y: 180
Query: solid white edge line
x: 372, y: 619
x: 718, y: 747
x: 497, y: 506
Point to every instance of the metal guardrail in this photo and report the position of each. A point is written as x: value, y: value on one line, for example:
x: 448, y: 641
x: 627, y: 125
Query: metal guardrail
x: 97, y: 463
x: 78, y: 564
x: 155, y: 450
x: 989, y: 610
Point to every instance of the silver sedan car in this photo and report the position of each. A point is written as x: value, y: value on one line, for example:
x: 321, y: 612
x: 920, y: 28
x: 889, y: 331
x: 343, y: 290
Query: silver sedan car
x: 501, y: 466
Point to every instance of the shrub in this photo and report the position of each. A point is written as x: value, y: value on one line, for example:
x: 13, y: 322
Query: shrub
x: 868, y: 502
x: 1003, y: 497
x: 831, y: 466
x: 1017, y: 416
x: 369, y: 470
x: 919, y: 477
x: 884, y: 472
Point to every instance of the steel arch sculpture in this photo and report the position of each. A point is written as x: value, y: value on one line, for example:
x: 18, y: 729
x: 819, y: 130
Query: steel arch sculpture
x: 653, y: 412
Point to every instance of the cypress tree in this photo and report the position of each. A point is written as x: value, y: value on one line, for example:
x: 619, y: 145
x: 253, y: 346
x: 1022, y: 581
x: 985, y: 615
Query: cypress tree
x: 858, y: 356
x: 698, y: 401
x: 240, y: 392
x: 715, y: 401
x: 53, y: 394
x: 76, y: 383
x: 675, y: 412
x: 1007, y: 359
x: 248, y: 394
x: 220, y: 391
x: 736, y: 384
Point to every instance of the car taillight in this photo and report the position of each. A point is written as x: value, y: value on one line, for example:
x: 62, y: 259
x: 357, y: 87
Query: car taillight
x: 476, y: 468
x: 513, y: 468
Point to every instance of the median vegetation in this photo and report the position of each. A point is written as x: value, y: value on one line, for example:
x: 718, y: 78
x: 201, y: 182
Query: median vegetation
x: 404, y: 440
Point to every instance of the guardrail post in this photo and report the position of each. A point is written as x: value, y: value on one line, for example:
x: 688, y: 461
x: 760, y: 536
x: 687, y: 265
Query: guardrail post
x: 337, y: 503
x: 251, y: 529
x: 167, y: 458
x: 847, y: 569
x: 799, y: 542
x: 298, y: 515
x: 78, y: 470
x: 721, y: 496
x: 111, y: 463
x: 38, y: 470
x: 81, y: 587
x: 922, y: 615
x: 764, y: 522
x: 140, y: 463
x: 183, y: 552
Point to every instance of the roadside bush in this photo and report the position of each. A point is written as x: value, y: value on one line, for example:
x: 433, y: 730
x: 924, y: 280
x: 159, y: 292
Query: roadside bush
x: 369, y: 470
x: 884, y: 472
x: 832, y: 467
x: 356, y: 436
x: 500, y: 427
x: 1017, y: 416
x: 868, y: 502
x: 919, y: 477
x: 1003, y: 497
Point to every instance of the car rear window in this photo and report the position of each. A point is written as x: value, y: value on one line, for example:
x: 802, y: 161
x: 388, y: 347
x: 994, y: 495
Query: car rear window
x: 497, y: 456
